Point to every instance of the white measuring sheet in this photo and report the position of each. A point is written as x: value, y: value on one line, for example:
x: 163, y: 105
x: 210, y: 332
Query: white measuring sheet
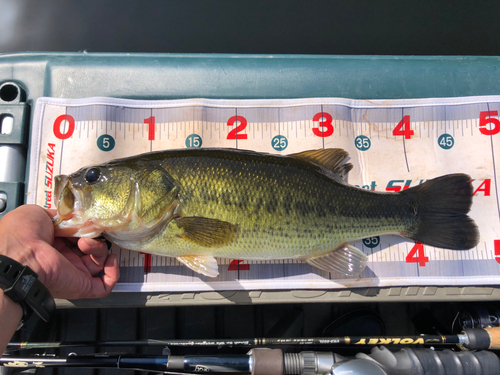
x: 393, y: 145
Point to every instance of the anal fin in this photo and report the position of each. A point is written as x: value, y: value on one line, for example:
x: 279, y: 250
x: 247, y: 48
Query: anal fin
x: 204, y: 264
x: 346, y: 259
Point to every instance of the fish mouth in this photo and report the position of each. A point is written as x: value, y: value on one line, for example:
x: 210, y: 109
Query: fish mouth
x: 65, y: 198
x: 69, y: 221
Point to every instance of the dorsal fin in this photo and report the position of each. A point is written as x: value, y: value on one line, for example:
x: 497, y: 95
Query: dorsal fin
x: 330, y: 158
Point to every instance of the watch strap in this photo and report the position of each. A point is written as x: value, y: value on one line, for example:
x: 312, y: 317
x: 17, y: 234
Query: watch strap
x: 20, y: 283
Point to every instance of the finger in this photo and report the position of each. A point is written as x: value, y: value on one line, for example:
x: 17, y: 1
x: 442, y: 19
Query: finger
x: 96, y: 249
x: 111, y: 273
x: 92, y: 266
x: 51, y: 212
x: 64, y: 246
x: 74, y: 256
x: 102, y: 287
x: 71, y: 241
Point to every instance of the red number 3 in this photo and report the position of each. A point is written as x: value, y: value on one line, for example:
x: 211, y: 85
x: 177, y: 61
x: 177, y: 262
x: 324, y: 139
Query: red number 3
x: 325, y: 128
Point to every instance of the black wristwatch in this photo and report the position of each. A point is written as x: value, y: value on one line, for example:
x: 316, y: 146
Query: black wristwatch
x: 20, y: 283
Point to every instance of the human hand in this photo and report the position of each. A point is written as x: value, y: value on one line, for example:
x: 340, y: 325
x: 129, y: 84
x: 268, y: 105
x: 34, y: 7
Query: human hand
x: 66, y: 266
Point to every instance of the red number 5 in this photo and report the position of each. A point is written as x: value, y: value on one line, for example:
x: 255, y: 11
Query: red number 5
x: 485, y: 119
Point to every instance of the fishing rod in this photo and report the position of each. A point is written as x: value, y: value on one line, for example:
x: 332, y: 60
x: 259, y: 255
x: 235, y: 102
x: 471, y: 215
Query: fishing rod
x: 470, y: 338
x: 261, y: 361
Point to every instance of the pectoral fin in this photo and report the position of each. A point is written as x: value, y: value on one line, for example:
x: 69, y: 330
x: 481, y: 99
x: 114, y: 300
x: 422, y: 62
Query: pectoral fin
x: 204, y: 264
x: 207, y: 232
x: 346, y: 259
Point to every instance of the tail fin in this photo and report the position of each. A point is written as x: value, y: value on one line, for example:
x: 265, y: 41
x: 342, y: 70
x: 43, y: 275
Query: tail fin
x: 441, y: 206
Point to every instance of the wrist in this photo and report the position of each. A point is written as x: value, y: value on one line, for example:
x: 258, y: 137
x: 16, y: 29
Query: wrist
x: 10, y: 312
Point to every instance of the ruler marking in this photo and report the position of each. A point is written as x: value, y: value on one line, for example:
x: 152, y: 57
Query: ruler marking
x: 494, y: 166
x: 152, y: 129
x: 279, y: 123
x: 235, y: 124
x: 322, y: 116
x: 369, y: 130
x: 404, y: 143
x: 62, y: 140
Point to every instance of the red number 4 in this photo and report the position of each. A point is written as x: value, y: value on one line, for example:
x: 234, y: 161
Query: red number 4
x: 417, y: 255
x: 403, y: 128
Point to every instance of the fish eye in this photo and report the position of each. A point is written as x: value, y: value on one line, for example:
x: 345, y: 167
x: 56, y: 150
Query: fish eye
x: 92, y: 175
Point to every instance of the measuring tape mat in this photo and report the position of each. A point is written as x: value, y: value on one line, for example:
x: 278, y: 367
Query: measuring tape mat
x: 393, y: 145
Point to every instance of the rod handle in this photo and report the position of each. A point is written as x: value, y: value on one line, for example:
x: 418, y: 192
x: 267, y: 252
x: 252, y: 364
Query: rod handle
x: 494, y: 333
x: 267, y: 361
x: 483, y: 338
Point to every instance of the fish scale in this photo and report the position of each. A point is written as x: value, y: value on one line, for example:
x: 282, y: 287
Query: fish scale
x: 213, y: 188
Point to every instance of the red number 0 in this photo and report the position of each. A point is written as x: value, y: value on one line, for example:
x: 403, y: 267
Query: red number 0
x: 485, y: 119
x: 233, y: 134
x: 326, y: 125
x: 57, y: 126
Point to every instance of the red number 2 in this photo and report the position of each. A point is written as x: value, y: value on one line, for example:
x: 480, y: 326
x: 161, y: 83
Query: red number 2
x: 233, y: 134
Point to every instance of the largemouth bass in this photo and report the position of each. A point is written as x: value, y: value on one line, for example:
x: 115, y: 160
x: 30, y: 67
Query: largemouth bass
x: 197, y: 204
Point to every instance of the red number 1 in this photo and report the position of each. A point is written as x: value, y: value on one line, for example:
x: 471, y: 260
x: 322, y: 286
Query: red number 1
x: 147, y: 262
x: 151, y: 129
